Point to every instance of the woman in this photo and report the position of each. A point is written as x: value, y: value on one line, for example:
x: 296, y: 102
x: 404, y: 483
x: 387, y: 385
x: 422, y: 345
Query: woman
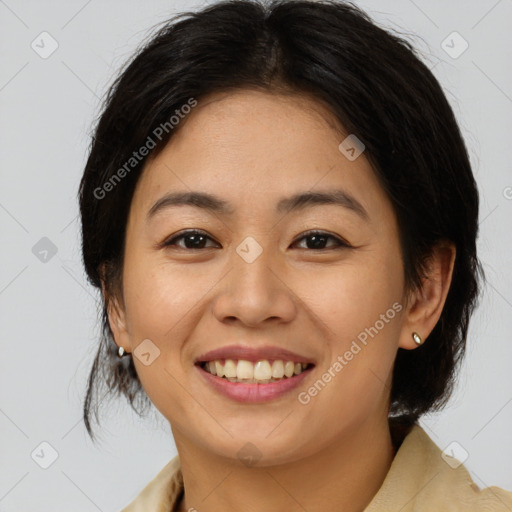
x: 279, y: 209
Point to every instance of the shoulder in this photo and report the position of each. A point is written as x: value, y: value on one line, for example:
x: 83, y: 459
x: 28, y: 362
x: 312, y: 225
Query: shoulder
x: 161, y: 493
x: 422, y: 478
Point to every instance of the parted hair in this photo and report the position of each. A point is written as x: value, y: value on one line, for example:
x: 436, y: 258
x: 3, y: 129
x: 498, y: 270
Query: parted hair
x: 379, y: 89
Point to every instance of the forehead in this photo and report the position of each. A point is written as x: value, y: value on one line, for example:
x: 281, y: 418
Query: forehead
x: 251, y: 147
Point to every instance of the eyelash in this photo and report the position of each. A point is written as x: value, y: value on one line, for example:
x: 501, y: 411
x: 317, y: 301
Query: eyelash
x: 340, y: 242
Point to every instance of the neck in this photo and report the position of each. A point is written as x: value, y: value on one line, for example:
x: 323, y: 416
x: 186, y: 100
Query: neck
x: 345, y: 476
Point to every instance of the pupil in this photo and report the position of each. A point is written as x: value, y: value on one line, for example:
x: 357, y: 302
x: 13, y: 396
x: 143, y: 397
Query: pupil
x: 318, y: 240
x: 197, y: 240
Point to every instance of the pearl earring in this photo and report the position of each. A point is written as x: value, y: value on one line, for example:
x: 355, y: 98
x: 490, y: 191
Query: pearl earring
x: 417, y: 339
x: 122, y: 352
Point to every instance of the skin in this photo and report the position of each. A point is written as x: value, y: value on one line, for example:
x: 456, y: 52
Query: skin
x: 252, y: 148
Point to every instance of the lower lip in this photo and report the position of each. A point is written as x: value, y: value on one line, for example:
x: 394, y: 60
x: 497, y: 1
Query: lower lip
x: 253, y: 393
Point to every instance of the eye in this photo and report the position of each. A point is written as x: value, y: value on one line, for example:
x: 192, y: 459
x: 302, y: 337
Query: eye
x: 319, y: 238
x: 193, y: 238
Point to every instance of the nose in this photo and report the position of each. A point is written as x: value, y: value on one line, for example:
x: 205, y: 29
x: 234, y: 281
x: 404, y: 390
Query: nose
x: 255, y: 293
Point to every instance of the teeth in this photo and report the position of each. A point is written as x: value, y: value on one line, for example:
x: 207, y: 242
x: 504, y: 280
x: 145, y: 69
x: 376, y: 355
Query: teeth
x: 289, y: 368
x: 278, y: 370
x: 260, y: 372
x: 212, y: 367
x: 230, y: 369
x: 245, y: 370
x: 219, y: 369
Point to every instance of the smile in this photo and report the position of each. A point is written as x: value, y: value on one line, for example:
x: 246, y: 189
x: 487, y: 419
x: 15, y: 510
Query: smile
x: 259, y: 372
x: 255, y: 382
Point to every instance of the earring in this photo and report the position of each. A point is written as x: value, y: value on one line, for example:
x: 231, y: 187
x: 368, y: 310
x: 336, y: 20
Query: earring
x: 122, y: 352
x: 417, y: 339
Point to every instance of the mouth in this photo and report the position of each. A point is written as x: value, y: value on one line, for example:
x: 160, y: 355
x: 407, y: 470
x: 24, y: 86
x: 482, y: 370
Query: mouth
x: 253, y: 382
x: 263, y: 371
x: 251, y: 374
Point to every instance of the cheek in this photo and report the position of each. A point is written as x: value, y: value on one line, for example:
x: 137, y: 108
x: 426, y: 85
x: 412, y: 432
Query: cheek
x: 354, y: 295
x: 163, y: 305
x: 158, y: 298
x: 358, y: 308
x: 159, y: 305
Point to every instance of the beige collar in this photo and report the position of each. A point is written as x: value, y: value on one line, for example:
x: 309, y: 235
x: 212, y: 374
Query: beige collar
x: 419, y: 480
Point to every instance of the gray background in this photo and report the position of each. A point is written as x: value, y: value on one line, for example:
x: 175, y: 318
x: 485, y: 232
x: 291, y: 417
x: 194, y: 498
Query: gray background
x: 48, y: 311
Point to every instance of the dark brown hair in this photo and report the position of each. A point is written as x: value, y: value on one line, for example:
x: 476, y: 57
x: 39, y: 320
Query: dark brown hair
x: 379, y: 90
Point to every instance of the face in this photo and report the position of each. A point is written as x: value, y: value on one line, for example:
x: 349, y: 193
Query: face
x: 262, y: 281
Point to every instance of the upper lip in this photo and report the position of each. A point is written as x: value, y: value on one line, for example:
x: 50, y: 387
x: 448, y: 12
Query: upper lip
x: 253, y: 354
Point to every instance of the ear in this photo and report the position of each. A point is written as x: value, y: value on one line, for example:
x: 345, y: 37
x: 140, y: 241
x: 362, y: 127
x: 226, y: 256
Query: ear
x: 116, y: 316
x: 425, y: 305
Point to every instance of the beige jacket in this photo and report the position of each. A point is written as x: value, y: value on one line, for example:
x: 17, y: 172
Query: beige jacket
x: 419, y: 480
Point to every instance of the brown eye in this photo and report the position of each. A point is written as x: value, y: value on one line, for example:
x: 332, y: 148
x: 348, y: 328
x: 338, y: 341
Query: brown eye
x: 193, y: 239
x: 317, y: 240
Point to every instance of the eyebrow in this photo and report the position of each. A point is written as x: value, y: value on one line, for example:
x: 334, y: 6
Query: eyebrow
x: 285, y: 205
